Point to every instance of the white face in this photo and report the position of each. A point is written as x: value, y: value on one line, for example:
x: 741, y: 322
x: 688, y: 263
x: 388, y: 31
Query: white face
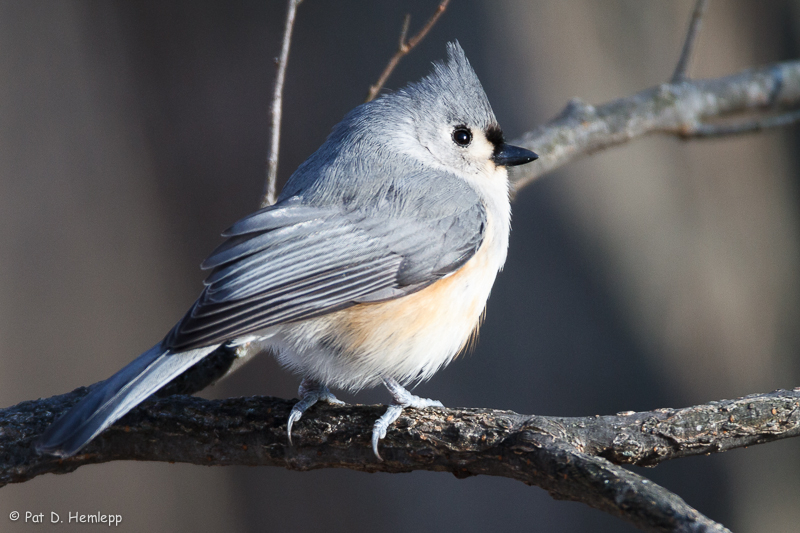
x: 459, y: 147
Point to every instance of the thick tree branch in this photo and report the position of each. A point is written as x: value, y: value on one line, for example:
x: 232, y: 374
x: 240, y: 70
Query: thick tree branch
x: 572, y: 458
x: 680, y: 109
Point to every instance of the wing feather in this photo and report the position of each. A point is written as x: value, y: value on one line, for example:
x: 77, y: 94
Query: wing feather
x: 291, y: 262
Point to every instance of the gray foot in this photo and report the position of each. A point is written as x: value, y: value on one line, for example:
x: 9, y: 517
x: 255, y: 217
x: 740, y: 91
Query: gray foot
x: 310, y: 392
x: 402, y: 399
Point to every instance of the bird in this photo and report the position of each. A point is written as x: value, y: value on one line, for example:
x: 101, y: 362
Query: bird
x: 373, y: 266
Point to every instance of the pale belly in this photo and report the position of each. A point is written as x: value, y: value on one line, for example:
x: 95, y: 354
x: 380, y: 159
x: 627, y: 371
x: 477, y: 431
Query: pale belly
x: 408, y: 338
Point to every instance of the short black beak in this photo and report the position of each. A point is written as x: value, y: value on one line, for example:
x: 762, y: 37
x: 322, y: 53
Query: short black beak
x: 511, y: 156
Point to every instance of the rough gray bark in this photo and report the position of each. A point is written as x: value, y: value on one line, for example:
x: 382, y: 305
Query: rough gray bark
x: 572, y: 458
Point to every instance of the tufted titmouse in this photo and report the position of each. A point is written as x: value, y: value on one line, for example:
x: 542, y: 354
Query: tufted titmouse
x: 374, y: 265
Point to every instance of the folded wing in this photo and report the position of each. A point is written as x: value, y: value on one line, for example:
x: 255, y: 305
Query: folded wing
x: 293, y: 261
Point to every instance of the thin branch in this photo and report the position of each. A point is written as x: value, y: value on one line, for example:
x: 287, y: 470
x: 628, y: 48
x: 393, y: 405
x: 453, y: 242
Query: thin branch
x: 688, y: 45
x: 405, y: 47
x: 677, y: 109
x: 277, y: 108
x: 573, y: 458
x: 404, y: 31
x: 746, y: 126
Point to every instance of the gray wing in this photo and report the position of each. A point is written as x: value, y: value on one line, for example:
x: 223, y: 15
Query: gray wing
x: 294, y: 261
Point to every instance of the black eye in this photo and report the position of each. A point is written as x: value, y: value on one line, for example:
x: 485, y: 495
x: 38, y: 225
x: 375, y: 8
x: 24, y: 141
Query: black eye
x: 462, y: 136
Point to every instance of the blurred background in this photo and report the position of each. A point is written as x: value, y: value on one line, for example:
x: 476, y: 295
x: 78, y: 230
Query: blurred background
x: 658, y: 274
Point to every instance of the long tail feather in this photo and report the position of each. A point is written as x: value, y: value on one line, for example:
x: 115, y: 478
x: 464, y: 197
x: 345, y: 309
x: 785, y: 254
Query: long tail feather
x: 114, y: 397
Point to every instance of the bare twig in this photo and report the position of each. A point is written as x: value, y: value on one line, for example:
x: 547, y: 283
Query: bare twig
x: 404, y: 30
x: 677, y: 109
x: 746, y: 126
x: 688, y: 45
x: 405, y: 47
x: 277, y: 108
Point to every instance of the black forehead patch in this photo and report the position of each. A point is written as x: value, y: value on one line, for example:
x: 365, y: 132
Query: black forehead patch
x: 495, y: 136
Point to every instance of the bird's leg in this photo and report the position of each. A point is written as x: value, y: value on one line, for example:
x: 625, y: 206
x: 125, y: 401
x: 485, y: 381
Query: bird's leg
x: 310, y: 392
x: 402, y: 399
